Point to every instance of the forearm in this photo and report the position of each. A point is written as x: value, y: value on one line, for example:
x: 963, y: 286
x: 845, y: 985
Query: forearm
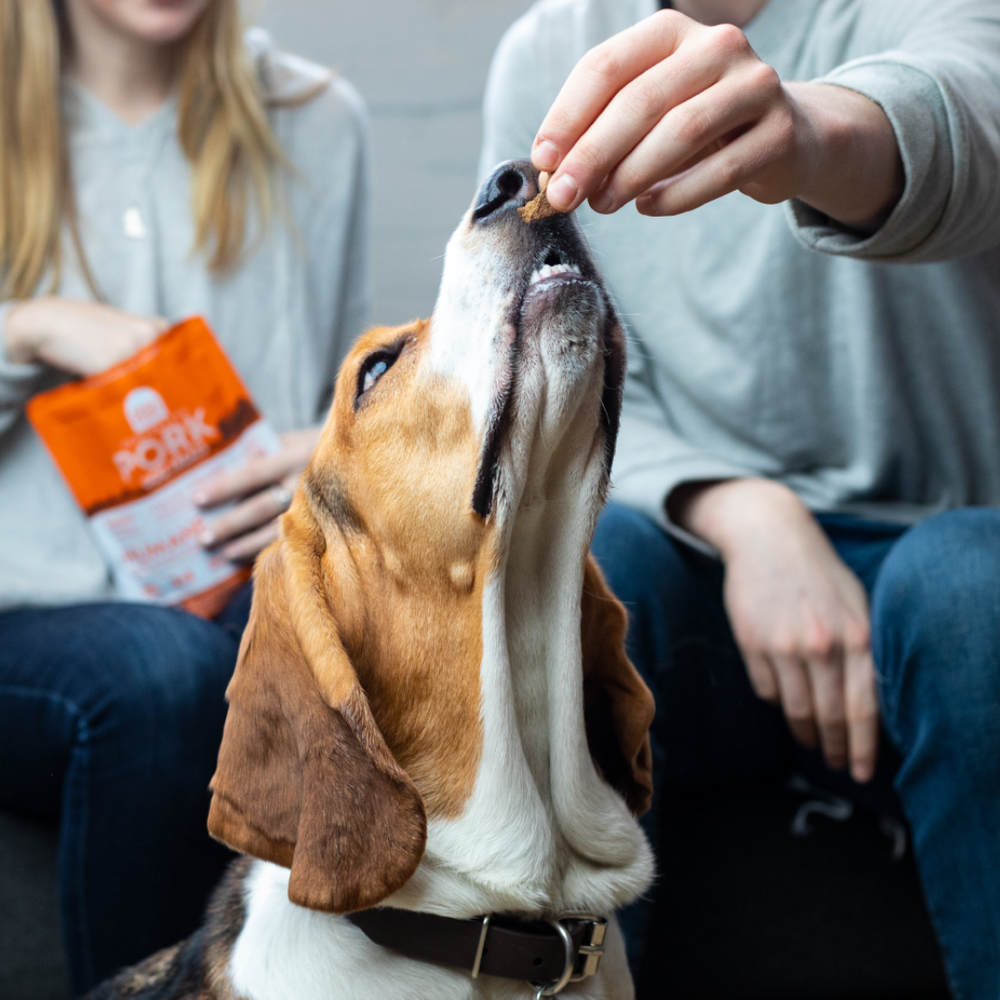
x: 852, y: 168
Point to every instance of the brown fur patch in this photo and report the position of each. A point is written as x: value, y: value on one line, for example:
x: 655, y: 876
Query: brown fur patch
x: 410, y: 623
x: 618, y: 707
x: 301, y: 782
x: 538, y: 208
x: 150, y: 973
x: 355, y: 705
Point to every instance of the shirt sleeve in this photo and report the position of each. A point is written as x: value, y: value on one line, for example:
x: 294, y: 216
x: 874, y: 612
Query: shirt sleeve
x: 939, y: 85
x: 18, y: 382
x: 652, y: 460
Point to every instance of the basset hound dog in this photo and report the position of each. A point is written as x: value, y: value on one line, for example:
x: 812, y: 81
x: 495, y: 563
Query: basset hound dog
x: 436, y: 747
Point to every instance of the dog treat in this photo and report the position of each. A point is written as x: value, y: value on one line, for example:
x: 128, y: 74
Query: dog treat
x: 537, y: 208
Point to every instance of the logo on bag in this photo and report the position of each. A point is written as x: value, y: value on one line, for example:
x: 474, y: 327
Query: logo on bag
x: 144, y: 408
x: 164, y: 441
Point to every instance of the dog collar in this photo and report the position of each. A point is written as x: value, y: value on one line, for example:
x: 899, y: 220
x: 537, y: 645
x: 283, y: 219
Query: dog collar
x: 547, y: 954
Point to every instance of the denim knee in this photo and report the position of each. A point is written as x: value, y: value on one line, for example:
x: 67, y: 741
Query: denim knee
x: 936, y: 618
x: 155, y: 678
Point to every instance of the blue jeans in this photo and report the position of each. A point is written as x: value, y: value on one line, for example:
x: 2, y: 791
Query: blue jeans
x: 110, y: 720
x: 935, y: 606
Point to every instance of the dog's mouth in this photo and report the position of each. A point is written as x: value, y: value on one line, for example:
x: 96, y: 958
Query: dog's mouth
x: 553, y: 271
x: 545, y: 288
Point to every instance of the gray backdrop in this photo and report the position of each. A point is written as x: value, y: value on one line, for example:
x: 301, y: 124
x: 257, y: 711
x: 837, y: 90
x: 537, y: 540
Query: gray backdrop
x: 420, y: 66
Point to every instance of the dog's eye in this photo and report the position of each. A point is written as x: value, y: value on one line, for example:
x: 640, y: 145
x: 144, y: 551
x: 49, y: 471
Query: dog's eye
x: 373, y: 373
x: 374, y: 367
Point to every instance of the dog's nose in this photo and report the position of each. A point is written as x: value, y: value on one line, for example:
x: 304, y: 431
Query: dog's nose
x: 513, y: 183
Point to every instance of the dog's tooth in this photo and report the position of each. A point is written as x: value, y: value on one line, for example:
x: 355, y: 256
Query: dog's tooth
x: 536, y: 275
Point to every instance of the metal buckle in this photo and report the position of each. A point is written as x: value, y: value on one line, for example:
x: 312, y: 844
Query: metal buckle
x: 586, y: 961
x: 588, y: 958
x: 481, y: 947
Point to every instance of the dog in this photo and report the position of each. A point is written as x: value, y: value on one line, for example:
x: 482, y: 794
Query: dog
x: 436, y: 747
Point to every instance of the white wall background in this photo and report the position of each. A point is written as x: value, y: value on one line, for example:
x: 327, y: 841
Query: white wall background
x: 421, y: 66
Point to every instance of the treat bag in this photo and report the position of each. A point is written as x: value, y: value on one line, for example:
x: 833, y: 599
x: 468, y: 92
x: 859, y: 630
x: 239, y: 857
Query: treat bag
x: 136, y: 442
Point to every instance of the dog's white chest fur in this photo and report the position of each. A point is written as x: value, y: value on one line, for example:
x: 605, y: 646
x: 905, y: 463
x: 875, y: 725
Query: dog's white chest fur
x: 286, y: 952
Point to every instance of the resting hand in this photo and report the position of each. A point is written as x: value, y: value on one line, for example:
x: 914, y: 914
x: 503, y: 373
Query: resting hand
x: 674, y: 113
x: 799, y: 615
x: 264, y: 488
x: 79, y: 337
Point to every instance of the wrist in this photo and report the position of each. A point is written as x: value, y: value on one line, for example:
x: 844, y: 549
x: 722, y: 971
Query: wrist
x: 724, y: 513
x: 853, y: 169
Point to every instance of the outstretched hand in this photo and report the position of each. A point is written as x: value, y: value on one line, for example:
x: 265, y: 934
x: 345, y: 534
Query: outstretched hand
x: 674, y: 113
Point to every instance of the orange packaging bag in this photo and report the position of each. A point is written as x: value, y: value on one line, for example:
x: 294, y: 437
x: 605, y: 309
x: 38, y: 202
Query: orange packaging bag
x: 136, y: 442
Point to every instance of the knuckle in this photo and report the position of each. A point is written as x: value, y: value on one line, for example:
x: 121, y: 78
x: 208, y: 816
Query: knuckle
x: 729, y: 173
x: 692, y: 125
x: 819, y: 643
x: 603, y: 63
x: 728, y: 39
x: 763, y: 77
x: 667, y: 23
x: 643, y: 98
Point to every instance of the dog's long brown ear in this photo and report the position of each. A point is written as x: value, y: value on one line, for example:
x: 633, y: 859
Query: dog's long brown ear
x: 304, y: 777
x: 618, y: 707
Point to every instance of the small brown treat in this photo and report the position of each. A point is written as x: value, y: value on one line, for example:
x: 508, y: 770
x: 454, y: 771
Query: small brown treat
x: 537, y: 208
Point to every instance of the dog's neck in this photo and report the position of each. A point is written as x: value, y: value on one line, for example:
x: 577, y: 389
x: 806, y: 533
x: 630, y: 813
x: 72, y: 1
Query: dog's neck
x: 541, y: 834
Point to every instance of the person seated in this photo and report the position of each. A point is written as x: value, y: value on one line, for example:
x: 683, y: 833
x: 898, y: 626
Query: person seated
x: 155, y: 165
x: 808, y: 474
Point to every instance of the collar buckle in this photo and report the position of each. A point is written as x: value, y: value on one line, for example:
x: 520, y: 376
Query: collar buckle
x: 590, y: 953
x: 581, y: 962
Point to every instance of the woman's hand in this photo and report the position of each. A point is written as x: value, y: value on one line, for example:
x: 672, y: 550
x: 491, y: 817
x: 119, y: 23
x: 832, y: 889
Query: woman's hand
x: 265, y: 488
x: 799, y: 615
x: 674, y: 113
x: 79, y: 337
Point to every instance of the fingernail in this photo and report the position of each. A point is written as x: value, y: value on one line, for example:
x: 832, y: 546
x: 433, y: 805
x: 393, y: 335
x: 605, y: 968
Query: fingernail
x: 200, y: 498
x: 207, y: 538
x: 602, y: 201
x: 545, y: 156
x: 561, y: 192
x: 861, y: 772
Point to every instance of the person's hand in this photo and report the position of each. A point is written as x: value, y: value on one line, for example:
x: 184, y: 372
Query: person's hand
x: 799, y: 615
x: 79, y: 337
x: 265, y: 489
x: 674, y: 113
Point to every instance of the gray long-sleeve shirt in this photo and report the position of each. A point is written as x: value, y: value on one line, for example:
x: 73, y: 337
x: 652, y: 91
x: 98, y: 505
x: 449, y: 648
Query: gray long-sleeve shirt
x: 285, y: 316
x: 767, y: 341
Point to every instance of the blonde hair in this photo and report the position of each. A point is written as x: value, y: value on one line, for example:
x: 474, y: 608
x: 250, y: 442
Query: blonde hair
x: 222, y: 127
